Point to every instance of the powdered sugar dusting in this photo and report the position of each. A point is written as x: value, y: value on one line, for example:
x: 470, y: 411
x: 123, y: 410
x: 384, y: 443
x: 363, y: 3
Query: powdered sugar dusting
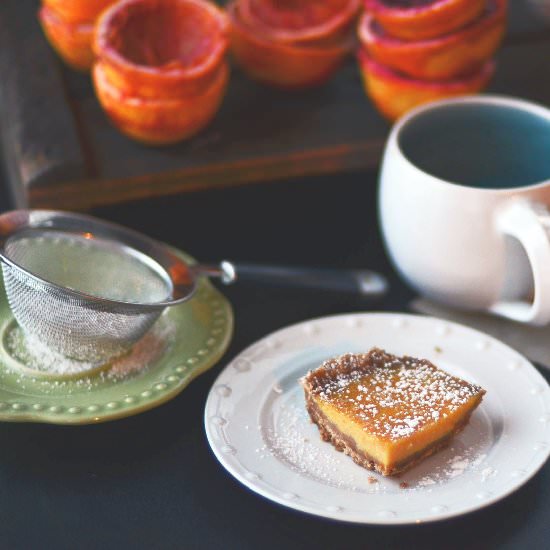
x: 488, y: 472
x: 289, y: 436
x: 468, y: 461
x: 33, y: 355
x: 148, y: 350
x: 392, y: 396
x: 458, y: 466
x: 293, y: 439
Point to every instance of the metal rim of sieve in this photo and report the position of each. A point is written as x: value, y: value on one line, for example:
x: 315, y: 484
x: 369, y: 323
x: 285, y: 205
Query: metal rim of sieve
x: 173, y: 269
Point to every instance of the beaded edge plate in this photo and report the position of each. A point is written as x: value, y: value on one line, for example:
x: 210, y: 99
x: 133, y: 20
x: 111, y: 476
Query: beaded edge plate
x: 258, y: 429
x: 199, y: 333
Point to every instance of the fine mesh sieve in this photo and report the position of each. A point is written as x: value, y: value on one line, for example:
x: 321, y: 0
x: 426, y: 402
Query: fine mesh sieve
x: 86, y: 288
x: 89, y: 289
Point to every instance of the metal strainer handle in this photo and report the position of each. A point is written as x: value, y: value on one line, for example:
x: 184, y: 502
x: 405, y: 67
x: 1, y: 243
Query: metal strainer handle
x: 354, y: 281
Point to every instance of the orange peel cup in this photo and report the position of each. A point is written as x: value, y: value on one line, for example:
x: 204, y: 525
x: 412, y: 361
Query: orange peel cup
x: 423, y: 19
x: 78, y: 11
x: 181, y: 59
x: 159, y: 121
x: 283, y: 65
x: 72, y: 41
x: 298, y: 21
x: 394, y: 94
x: 161, y: 73
x: 446, y: 57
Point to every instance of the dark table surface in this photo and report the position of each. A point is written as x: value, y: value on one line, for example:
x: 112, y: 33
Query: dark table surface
x: 151, y: 481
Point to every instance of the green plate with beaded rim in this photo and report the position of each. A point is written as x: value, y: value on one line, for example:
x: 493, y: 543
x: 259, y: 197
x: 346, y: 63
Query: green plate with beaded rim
x: 186, y: 341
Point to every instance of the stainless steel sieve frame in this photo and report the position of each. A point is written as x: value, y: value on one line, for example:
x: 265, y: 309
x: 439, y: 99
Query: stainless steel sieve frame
x: 178, y: 273
x: 80, y: 325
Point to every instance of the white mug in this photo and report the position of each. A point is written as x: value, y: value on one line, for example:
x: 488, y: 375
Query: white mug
x: 464, y: 197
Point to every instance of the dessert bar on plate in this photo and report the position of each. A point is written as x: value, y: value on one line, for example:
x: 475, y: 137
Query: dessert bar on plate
x: 387, y: 412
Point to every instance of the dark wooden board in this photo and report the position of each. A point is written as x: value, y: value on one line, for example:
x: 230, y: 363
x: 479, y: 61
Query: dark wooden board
x: 39, y: 137
x: 51, y: 121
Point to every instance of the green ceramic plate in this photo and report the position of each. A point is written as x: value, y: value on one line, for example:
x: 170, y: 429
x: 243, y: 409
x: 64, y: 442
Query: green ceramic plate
x: 186, y: 341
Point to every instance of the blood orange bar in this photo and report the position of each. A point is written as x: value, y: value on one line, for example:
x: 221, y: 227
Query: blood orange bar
x: 387, y: 412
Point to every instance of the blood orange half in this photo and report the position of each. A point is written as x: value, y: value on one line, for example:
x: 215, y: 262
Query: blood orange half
x: 394, y: 93
x: 298, y: 20
x: 167, y: 48
x: 422, y: 19
x: 441, y: 58
x: 283, y: 65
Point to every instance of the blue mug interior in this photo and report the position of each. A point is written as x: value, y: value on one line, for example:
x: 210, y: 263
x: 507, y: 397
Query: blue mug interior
x: 491, y: 146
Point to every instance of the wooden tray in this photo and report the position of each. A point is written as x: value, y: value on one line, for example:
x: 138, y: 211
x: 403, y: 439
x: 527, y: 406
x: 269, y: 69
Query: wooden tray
x: 61, y: 152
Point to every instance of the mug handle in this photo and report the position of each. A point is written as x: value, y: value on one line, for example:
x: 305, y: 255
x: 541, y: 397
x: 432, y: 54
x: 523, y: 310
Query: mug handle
x: 529, y: 223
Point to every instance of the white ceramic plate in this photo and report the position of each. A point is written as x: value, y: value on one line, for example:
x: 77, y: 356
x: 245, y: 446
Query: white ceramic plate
x: 258, y: 428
